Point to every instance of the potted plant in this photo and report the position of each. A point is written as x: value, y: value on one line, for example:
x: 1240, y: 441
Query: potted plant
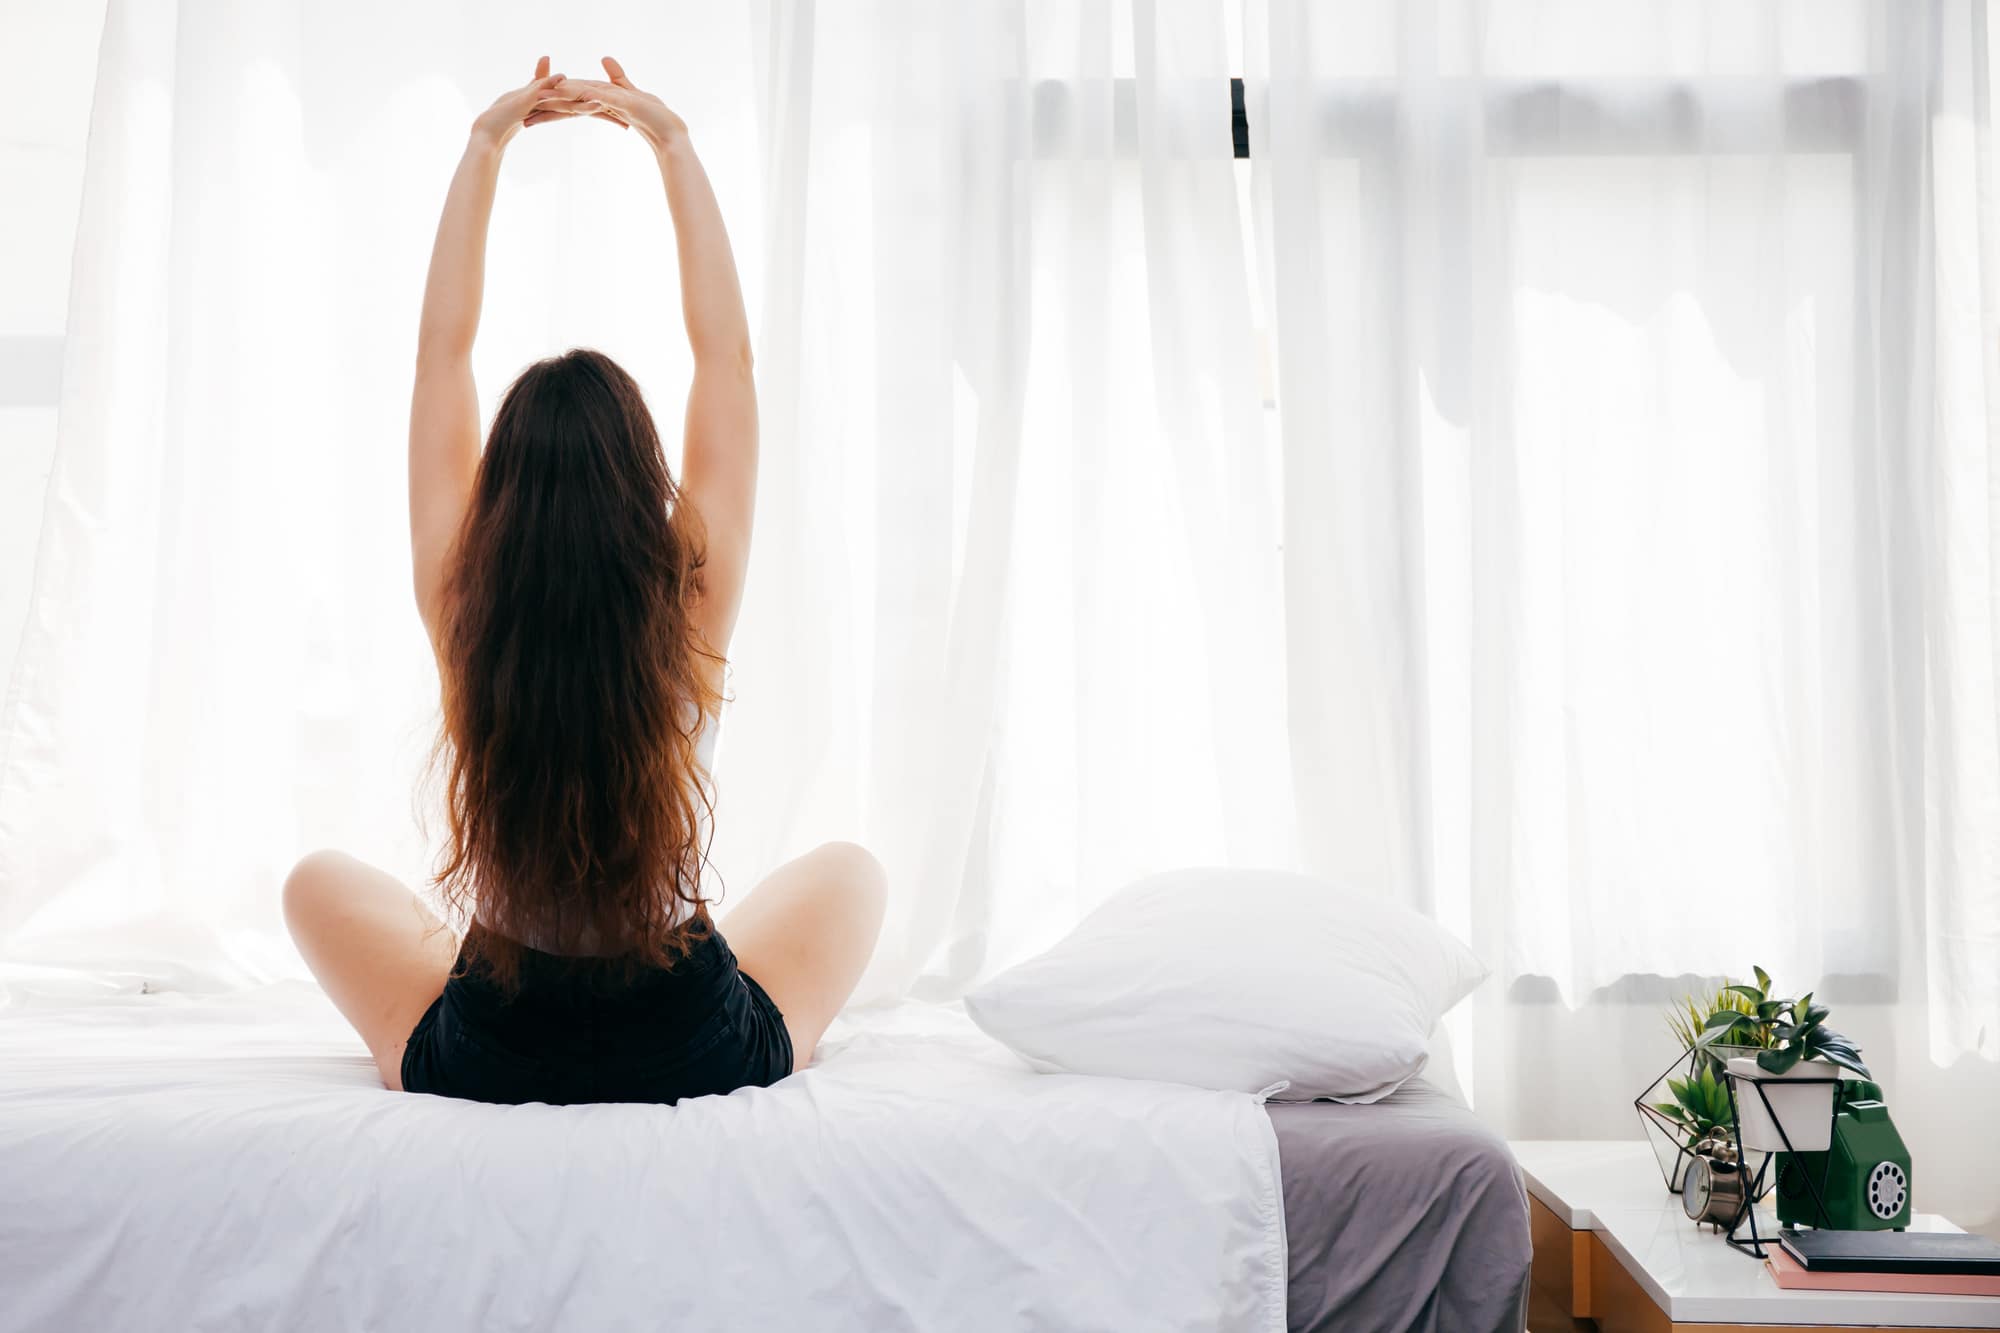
x: 1796, y: 1049
x: 1680, y: 1113
x: 1691, y: 1020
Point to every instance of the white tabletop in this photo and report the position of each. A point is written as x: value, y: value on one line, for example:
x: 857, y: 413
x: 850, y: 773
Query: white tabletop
x: 1613, y: 1187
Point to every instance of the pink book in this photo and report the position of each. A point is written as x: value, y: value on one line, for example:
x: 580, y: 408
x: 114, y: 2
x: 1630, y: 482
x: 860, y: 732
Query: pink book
x: 1785, y: 1271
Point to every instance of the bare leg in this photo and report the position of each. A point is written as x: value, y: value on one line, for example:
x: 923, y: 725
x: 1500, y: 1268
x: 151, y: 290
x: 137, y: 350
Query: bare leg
x: 807, y: 932
x: 376, y: 949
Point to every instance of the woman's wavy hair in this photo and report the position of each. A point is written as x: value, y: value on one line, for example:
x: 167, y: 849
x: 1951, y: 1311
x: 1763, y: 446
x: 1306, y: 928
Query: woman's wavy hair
x: 574, y: 684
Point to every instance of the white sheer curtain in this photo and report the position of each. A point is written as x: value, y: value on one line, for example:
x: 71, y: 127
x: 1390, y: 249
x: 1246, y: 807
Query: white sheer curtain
x: 222, y: 667
x: 1605, y: 338
x: 1014, y: 616
x: 1017, y: 613
x: 1550, y: 482
x: 1635, y: 364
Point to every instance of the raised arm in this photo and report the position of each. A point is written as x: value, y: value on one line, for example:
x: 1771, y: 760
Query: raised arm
x: 719, y: 450
x: 444, y: 406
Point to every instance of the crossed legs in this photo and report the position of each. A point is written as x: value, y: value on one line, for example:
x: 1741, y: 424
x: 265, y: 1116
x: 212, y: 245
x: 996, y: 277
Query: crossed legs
x: 805, y: 933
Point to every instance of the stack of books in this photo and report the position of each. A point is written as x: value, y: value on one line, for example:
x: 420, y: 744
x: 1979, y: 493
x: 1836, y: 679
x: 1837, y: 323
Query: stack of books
x: 1938, y: 1262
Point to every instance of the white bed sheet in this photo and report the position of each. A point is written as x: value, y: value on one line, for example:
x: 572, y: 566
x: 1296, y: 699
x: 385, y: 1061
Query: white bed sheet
x: 179, y: 1162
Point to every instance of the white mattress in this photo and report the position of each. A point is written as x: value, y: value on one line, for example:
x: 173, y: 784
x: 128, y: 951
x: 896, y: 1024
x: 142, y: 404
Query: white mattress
x: 179, y: 1162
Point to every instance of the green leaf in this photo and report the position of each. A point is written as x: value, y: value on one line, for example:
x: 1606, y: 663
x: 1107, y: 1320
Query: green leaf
x: 1750, y: 993
x: 1763, y: 978
x: 1839, y: 1050
x: 1814, y: 1014
x: 1779, y: 1061
x: 1728, y: 1018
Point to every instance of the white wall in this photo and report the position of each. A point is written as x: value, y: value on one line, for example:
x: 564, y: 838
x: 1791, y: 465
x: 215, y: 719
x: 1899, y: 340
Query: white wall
x: 52, y: 67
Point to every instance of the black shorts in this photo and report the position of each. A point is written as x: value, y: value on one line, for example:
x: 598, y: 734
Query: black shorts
x: 703, y: 1026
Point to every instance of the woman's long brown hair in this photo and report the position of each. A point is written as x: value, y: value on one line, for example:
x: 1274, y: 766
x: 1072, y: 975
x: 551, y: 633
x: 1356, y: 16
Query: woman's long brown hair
x: 574, y: 683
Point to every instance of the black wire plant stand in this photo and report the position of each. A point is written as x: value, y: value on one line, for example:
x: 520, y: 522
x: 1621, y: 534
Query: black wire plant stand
x: 1676, y: 1137
x: 1754, y: 1244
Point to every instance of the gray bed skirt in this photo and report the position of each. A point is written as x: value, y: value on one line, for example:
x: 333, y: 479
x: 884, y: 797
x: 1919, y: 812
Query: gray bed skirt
x: 1404, y: 1215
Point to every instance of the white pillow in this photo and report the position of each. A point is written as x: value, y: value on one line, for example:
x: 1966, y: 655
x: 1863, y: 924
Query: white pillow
x: 1239, y: 980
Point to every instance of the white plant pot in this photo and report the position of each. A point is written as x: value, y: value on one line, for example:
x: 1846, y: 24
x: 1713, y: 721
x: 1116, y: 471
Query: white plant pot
x: 1725, y: 1052
x: 1806, y: 1109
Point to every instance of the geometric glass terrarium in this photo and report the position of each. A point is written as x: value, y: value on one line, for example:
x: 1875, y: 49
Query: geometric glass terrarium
x: 1687, y: 1101
x: 1690, y: 1111
x: 1668, y: 1138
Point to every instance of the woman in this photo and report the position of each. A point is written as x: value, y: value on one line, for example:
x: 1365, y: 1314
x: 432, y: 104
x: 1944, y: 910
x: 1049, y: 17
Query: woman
x: 580, y: 604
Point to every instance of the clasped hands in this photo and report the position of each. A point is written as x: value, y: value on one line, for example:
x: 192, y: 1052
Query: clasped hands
x: 549, y: 97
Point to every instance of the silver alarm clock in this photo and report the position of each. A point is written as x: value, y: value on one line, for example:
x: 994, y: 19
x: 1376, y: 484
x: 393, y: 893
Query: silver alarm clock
x: 1712, y: 1191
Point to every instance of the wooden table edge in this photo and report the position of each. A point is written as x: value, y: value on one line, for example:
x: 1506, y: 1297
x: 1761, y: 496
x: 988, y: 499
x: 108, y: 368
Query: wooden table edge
x: 1586, y: 1280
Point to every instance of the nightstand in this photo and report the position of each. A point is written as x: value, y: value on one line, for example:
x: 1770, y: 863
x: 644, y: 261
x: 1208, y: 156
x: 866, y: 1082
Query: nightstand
x: 1612, y: 1246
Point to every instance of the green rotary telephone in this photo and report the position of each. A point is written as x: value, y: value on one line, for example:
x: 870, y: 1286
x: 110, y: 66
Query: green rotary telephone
x: 1866, y: 1181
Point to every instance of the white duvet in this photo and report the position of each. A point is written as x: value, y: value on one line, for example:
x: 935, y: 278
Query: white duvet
x: 177, y: 1163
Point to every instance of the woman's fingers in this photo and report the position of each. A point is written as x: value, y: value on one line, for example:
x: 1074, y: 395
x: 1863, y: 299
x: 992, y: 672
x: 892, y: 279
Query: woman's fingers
x: 538, y: 117
x: 555, y: 97
x: 609, y: 92
x: 561, y: 99
x: 567, y: 108
x: 540, y: 91
x: 609, y: 97
x: 540, y: 114
x: 552, y: 109
x: 510, y: 111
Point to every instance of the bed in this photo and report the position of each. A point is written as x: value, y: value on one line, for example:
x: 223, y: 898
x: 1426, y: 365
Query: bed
x: 1407, y: 1213
x: 177, y: 1161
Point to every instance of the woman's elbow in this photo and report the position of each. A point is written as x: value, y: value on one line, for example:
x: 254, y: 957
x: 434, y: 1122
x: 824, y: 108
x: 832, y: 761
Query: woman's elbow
x: 733, y: 357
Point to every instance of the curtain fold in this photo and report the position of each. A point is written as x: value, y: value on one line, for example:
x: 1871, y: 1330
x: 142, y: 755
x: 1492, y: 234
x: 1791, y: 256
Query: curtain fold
x: 1958, y: 954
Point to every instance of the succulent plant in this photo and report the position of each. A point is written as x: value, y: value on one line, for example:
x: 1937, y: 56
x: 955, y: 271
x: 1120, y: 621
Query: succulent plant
x: 1700, y: 1105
